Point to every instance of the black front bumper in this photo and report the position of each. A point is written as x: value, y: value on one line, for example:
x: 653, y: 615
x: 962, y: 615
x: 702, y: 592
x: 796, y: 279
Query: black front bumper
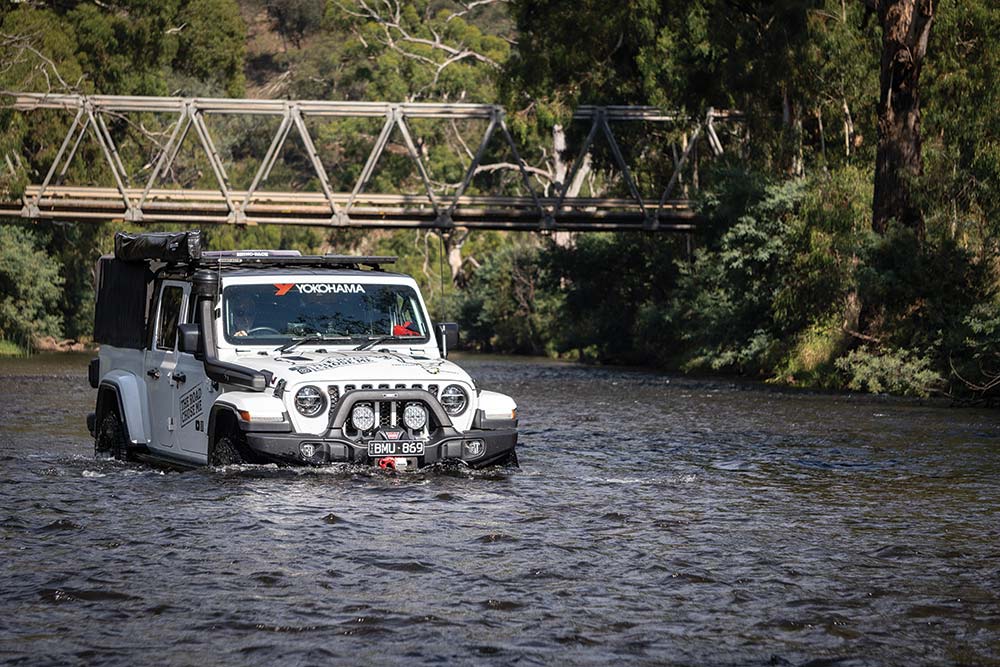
x: 287, y: 448
x: 445, y: 443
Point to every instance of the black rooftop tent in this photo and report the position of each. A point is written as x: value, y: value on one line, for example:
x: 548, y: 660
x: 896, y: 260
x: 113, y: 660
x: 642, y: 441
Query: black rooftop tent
x: 158, y: 246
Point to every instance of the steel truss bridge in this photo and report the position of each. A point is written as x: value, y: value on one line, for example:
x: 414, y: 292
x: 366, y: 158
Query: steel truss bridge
x: 529, y: 207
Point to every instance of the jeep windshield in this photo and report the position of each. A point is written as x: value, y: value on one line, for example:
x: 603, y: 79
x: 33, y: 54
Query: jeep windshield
x: 316, y: 312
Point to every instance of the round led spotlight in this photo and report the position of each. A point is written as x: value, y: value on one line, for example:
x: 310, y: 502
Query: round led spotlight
x: 309, y: 401
x: 454, y: 400
x: 363, y: 417
x: 414, y: 416
x: 308, y: 449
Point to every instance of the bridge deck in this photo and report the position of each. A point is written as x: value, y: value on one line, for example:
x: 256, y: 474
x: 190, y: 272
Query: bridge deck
x: 368, y: 210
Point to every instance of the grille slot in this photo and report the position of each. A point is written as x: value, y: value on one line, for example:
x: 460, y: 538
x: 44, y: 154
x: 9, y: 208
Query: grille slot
x: 334, y: 393
x: 385, y: 413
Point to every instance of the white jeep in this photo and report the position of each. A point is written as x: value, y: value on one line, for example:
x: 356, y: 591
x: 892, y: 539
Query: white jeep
x: 214, y: 358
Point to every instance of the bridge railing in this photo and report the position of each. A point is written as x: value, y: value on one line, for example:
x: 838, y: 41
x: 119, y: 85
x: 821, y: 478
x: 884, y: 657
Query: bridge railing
x: 549, y: 198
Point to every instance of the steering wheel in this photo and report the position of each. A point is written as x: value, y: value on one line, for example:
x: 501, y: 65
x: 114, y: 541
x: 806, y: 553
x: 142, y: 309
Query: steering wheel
x: 257, y: 330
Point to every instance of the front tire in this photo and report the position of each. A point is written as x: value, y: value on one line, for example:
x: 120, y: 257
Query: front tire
x: 110, y: 438
x: 227, y: 451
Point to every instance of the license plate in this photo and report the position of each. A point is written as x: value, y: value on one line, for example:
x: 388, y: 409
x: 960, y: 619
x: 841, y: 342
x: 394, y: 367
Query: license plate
x: 396, y: 448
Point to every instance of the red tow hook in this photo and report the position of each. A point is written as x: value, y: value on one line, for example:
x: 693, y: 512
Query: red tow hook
x: 387, y: 463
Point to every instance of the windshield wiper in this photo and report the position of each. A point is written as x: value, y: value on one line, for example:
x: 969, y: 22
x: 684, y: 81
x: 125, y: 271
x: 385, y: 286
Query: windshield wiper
x: 308, y: 340
x: 380, y: 339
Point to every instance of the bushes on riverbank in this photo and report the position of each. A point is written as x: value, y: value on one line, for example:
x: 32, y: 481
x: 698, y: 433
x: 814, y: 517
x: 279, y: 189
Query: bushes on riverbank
x: 787, y: 283
x: 30, y: 291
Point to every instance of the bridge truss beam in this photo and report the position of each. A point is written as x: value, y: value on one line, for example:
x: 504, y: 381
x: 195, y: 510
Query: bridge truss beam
x: 531, y: 210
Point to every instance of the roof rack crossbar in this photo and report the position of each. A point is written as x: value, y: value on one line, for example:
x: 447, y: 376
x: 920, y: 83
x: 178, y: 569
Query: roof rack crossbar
x: 373, y: 261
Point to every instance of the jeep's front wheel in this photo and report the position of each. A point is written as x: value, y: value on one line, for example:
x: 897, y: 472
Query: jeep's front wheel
x: 226, y: 451
x: 110, y: 438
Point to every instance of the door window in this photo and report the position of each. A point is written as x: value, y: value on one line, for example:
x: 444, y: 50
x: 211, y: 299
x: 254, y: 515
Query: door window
x: 171, y: 299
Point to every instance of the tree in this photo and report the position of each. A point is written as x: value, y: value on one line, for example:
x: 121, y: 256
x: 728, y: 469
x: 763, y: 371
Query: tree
x: 30, y: 288
x: 294, y: 18
x: 906, y: 29
x: 213, y: 43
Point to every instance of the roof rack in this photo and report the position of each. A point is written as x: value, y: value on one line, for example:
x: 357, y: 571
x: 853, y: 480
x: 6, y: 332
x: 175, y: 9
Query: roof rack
x: 185, y: 248
x: 321, y: 261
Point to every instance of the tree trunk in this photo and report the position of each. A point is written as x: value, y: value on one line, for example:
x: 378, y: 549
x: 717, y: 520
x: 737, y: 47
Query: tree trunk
x: 906, y: 26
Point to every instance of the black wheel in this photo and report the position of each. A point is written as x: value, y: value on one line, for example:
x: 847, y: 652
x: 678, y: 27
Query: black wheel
x: 110, y: 439
x: 227, y: 451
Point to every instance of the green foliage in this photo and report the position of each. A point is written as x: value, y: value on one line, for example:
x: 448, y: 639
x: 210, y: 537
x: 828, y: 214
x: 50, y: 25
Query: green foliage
x: 424, y: 52
x: 610, y: 286
x: 29, y: 288
x: 920, y: 292
x: 962, y: 124
x: 725, y: 296
x: 11, y: 349
x: 296, y: 18
x: 790, y: 65
x: 212, y: 44
x: 811, y: 360
x: 506, y: 307
x: 977, y: 368
x: 891, y: 371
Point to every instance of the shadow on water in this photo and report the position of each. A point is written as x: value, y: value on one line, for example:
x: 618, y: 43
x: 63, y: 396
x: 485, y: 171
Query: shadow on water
x: 654, y: 520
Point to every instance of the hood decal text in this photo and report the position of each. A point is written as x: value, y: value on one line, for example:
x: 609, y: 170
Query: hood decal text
x: 335, y: 362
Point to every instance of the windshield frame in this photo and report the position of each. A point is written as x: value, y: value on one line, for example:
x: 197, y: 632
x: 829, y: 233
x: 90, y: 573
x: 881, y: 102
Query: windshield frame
x: 401, y: 284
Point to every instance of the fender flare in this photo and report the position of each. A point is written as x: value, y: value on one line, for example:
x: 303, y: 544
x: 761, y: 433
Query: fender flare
x: 129, y: 394
x: 213, y: 415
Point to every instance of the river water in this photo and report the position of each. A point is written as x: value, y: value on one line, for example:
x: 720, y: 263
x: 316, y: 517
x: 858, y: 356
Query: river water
x: 655, y: 520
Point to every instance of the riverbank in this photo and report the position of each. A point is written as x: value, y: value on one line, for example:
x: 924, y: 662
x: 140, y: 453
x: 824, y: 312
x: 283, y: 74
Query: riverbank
x: 45, y: 344
x: 68, y: 363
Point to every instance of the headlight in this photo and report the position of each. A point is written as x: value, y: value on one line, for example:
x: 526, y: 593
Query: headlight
x: 309, y: 401
x: 454, y: 400
x: 363, y: 417
x: 414, y: 416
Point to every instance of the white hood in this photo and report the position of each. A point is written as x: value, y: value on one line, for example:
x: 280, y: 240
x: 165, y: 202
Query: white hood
x: 299, y: 368
x: 303, y: 367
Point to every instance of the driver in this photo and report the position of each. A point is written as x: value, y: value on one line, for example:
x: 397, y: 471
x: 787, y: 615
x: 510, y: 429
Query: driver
x: 243, y: 309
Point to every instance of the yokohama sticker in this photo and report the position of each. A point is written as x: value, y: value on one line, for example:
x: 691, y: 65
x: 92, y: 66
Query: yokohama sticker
x: 281, y: 289
x: 335, y: 362
x: 190, y: 406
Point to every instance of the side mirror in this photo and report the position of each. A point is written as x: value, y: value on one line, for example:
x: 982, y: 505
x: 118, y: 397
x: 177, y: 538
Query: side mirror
x: 447, y: 337
x: 189, y: 340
